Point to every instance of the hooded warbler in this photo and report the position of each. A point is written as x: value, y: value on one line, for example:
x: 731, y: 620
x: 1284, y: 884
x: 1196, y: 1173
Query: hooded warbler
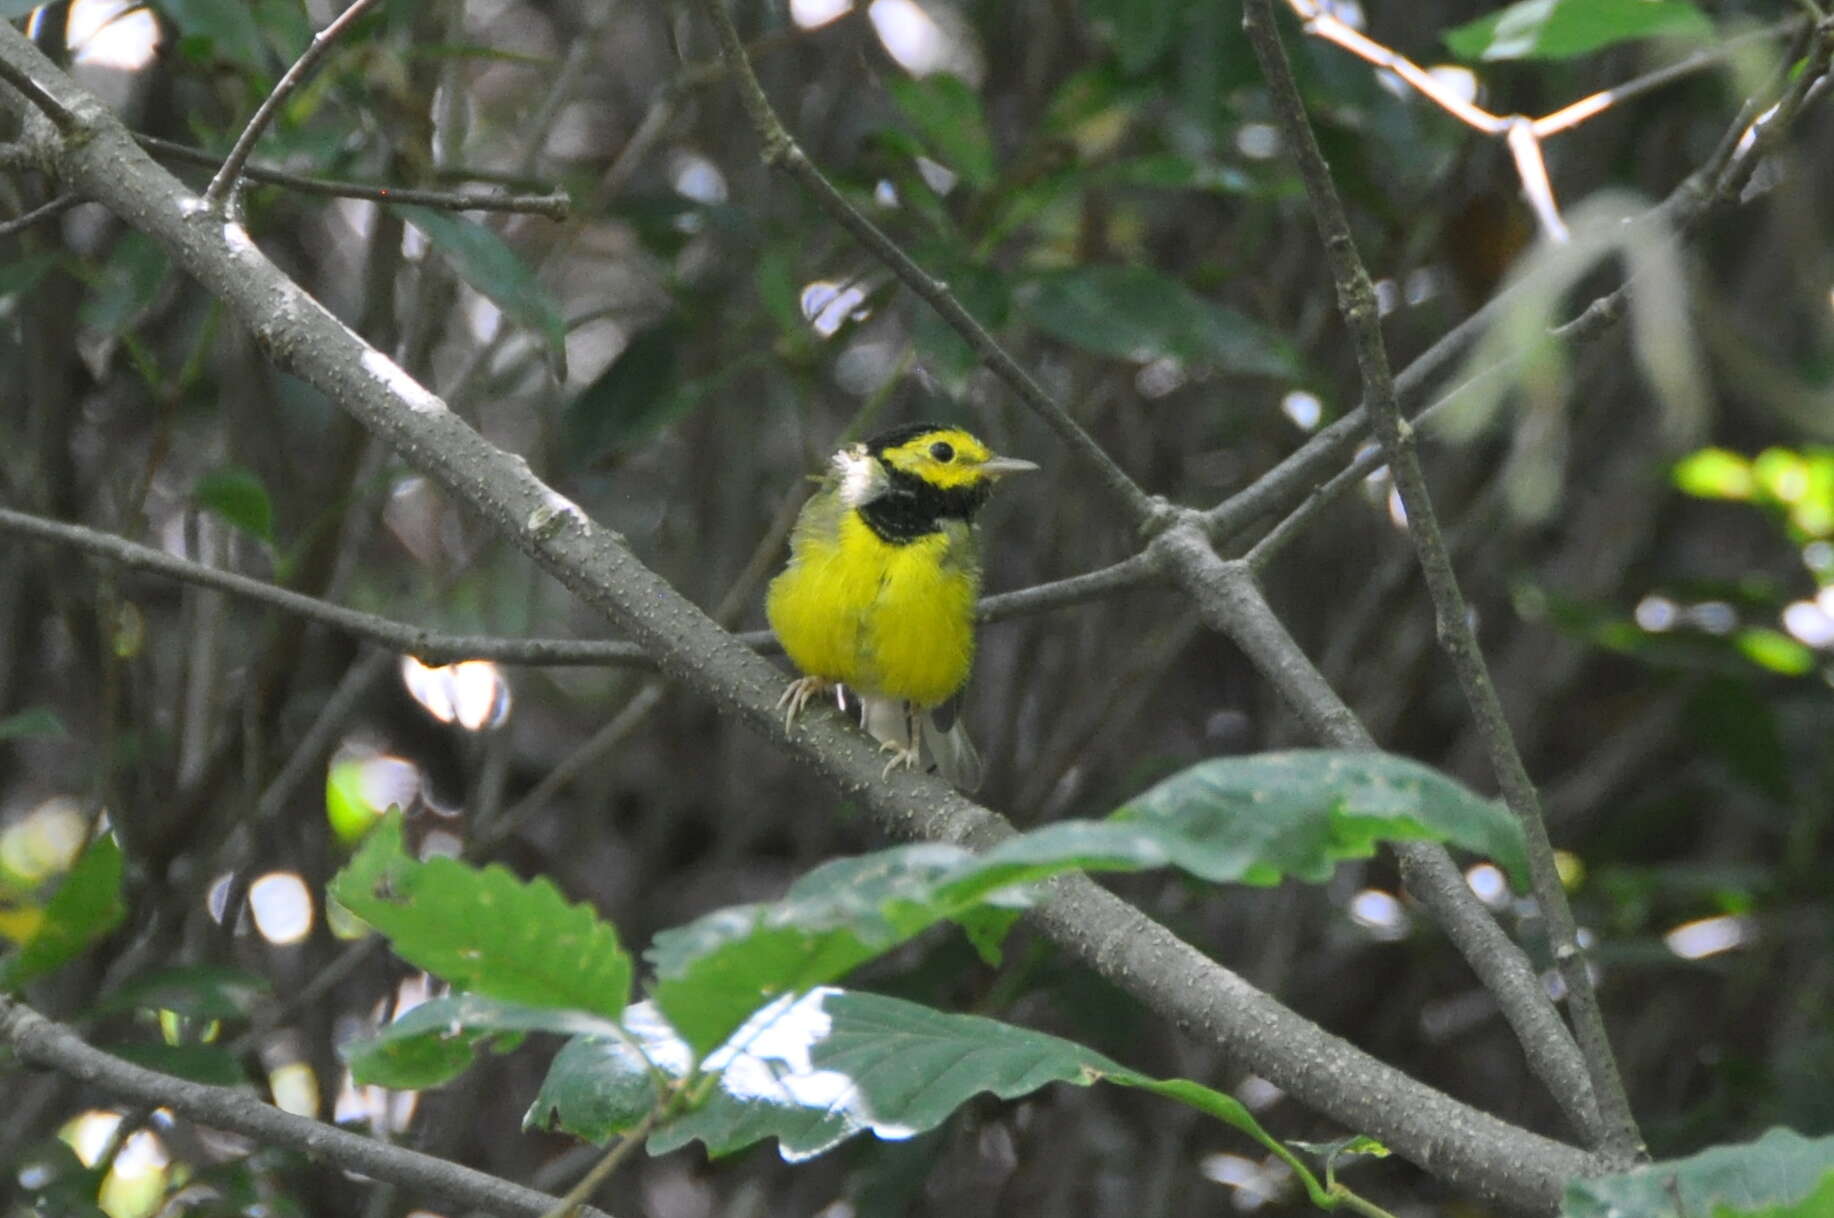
x: 881, y: 586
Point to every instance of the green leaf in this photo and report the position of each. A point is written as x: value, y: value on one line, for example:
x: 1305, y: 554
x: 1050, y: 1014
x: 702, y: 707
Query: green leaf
x: 1562, y: 29
x: 1140, y: 33
x: 33, y: 721
x: 1775, y: 650
x: 598, y: 1087
x: 126, y: 284
x: 200, y: 991
x: 632, y: 399
x: 485, y: 931
x: 483, y: 260
x: 1135, y: 313
x: 236, y: 496
x: 23, y: 274
x: 86, y: 907
x: 1714, y: 473
x: 815, y: 1071
x: 435, y: 1041
x: 1781, y: 1174
x: 222, y: 28
x: 1170, y: 171
x: 948, y: 118
x: 200, y: 1063
x: 712, y: 974
x: 1260, y: 818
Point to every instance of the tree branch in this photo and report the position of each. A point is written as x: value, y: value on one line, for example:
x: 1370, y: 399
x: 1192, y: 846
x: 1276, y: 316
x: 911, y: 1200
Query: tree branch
x: 51, y: 1046
x: 555, y: 205
x: 1356, y: 300
x: 1503, y: 1164
x: 44, y: 211
x: 439, y: 647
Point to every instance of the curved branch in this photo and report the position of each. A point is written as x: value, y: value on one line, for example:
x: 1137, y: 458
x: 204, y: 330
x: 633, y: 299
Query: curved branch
x: 51, y: 1046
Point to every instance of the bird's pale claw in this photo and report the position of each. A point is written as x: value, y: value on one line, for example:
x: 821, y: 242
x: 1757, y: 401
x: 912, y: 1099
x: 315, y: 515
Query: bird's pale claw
x: 902, y: 755
x: 797, y: 694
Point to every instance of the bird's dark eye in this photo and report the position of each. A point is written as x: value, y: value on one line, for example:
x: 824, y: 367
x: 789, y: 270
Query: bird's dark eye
x: 941, y: 451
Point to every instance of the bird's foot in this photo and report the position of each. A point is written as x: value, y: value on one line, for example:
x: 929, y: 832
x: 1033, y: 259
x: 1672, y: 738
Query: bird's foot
x: 905, y: 755
x: 797, y: 695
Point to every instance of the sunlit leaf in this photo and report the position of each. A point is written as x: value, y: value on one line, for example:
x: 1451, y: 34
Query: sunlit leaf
x: 1260, y: 818
x: 1714, y: 473
x: 435, y: 1041
x: 484, y: 261
x: 1561, y: 29
x: 818, y: 1070
x: 947, y: 117
x: 484, y: 930
x: 1782, y: 1173
x: 1135, y: 313
x: 87, y: 906
x: 237, y: 497
x: 714, y: 972
x: 599, y: 1086
x: 347, y: 807
x: 1775, y: 650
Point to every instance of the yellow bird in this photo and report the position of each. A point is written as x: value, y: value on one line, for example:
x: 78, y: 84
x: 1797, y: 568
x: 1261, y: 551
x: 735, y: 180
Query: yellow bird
x: 881, y: 585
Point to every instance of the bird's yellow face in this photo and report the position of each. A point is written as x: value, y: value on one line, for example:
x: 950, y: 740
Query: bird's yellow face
x: 948, y: 457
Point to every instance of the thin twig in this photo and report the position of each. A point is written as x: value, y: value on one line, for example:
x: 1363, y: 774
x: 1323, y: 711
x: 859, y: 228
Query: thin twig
x: 44, y: 211
x: 782, y: 151
x: 39, y: 96
x: 1356, y: 300
x: 231, y: 171
x: 1572, y: 115
x: 51, y: 1046
x: 439, y: 647
x: 555, y: 205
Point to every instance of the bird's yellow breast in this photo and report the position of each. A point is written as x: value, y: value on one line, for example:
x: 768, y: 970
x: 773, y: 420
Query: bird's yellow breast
x: 889, y: 620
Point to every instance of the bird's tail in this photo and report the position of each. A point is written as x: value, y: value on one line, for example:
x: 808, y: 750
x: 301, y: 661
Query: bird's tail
x: 939, y: 733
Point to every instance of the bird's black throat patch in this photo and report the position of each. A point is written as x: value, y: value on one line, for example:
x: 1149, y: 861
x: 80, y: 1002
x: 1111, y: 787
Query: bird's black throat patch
x: 911, y: 507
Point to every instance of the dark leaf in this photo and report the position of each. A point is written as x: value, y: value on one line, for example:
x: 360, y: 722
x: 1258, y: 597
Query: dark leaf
x: 1135, y: 313
x: 236, y: 496
x: 483, y: 260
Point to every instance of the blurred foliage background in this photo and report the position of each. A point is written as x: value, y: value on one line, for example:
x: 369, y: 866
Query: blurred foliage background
x: 1100, y: 182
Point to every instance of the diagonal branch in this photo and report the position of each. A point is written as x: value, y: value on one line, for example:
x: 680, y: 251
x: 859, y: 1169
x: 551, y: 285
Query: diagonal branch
x: 1356, y: 300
